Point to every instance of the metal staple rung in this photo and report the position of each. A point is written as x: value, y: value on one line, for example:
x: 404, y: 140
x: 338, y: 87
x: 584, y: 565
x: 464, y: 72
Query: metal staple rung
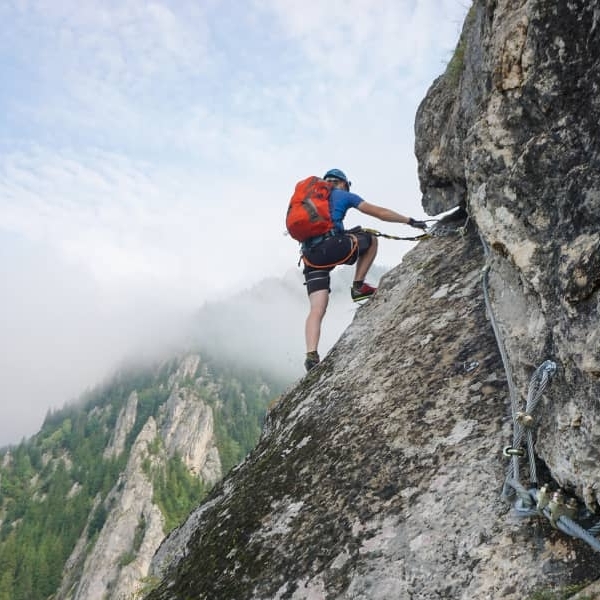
x: 511, y: 451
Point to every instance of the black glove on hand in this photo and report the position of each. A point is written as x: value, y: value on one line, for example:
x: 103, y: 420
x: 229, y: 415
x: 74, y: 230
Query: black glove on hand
x: 418, y: 224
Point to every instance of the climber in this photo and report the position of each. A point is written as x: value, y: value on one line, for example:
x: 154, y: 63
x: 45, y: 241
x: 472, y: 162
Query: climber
x: 339, y: 246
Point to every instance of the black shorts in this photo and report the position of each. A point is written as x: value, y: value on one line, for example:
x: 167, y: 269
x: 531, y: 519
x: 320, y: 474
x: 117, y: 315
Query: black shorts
x: 333, y: 251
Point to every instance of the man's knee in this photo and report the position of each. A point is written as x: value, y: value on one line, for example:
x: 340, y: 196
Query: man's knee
x: 367, y: 243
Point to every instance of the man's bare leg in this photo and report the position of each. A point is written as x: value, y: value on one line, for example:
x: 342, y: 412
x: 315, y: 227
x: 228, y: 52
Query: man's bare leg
x: 312, y: 330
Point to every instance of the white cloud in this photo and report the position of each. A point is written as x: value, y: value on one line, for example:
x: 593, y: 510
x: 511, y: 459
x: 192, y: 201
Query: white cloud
x: 148, y: 150
x: 60, y: 336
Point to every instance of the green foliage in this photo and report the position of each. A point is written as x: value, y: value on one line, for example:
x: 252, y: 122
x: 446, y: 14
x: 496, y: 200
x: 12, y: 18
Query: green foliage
x: 126, y: 558
x: 176, y: 492
x: 140, y: 532
x: 48, y: 491
x: 97, y: 520
x: 149, y: 584
x: 38, y: 534
x: 456, y: 65
x: 149, y: 401
x: 239, y: 413
x: 155, y: 447
x: 56, y: 483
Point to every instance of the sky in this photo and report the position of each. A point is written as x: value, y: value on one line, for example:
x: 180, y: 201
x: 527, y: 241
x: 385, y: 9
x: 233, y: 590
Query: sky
x: 148, y: 150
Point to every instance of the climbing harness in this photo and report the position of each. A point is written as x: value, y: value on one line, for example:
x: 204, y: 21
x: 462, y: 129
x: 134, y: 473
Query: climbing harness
x: 353, y: 249
x: 533, y: 501
x: 436, y: 230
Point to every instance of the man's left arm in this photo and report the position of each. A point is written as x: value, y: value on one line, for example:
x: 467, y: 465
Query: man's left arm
x: 386, y: 214
x: 381, y: 213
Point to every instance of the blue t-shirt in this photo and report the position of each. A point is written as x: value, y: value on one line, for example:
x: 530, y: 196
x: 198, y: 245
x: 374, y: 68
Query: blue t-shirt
x: 339, y: 203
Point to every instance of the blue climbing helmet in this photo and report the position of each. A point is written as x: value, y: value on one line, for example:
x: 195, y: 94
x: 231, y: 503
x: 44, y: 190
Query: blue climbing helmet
x: 336, y: 174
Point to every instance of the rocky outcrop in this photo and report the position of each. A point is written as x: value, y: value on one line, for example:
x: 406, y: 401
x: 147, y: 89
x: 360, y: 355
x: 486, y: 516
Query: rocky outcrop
x: 381, y: 474
x: 117, y: 563
x: 132, y: 532
x: 515, y: 132
x: 188, y: 426
x: 125, y: 423
x: 189, y: 432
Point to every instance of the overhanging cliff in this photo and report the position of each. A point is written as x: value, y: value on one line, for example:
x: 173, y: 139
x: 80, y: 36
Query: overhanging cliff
x: 514, y: 126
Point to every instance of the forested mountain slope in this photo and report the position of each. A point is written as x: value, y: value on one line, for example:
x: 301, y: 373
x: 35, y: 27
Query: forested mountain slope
x: 85, y: 502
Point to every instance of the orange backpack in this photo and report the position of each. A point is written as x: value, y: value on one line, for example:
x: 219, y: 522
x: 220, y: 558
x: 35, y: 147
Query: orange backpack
x: 308, y: 213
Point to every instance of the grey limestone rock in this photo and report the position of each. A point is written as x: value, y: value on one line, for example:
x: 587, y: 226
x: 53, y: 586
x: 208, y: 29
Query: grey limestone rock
x: 528, y: 160
x: 379, y: 475
x: 117, y: 564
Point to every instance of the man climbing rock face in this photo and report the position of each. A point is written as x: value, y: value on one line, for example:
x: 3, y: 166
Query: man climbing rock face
x: 337, y: 246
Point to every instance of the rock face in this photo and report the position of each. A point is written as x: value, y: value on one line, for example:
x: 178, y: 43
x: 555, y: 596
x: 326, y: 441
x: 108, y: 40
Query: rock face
x: 188, y: 428
x: 516, y: 132
x: 118, y: 563
x: 124, y: 425
x: 112, y: 570
x: 380, y: 475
